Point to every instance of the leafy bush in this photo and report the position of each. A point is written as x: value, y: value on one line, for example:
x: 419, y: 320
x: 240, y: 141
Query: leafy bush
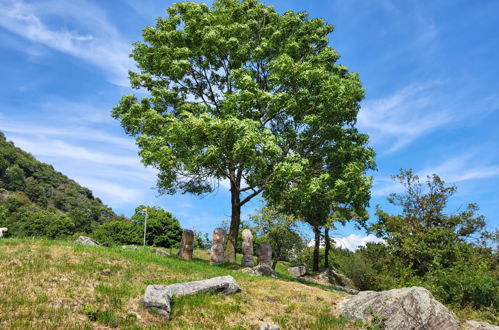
x: 118, y: 232
x: 162, y: 229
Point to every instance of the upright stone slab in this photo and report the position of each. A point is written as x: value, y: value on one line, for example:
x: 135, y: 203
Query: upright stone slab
x: 265, y: 254
x: 247, y: 248
x: 187, y: 244
x: 2, y: 230
x: 217, y: 248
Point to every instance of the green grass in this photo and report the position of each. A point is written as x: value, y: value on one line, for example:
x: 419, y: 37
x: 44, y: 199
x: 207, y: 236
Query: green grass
x: 58, y: 284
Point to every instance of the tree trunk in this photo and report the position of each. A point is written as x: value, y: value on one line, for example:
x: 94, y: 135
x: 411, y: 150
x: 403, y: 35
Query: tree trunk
x: 327, y: 246
x: 235, y: 221
x: 317, y: 232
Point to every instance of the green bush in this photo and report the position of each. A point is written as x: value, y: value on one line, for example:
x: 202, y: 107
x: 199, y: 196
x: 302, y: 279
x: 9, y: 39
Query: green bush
x: 162, y: 229
x: 118, y: 232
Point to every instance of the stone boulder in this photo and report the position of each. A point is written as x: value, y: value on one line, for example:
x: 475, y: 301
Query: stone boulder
x: 161, y: 252
x: 87, y: 241
x: 298, y: 271
x: 260, y: 270
x: 407, y: 308
x: 157, y: 298
x: 336, y: 279
x: 268, y: 326
x: 476, y: 325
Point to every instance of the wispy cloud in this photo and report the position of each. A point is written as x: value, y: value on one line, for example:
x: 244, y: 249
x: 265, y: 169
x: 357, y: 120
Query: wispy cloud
x: 61, y: 149
x: 78, y: 132
x: 112, y: 192
x: 399, y: 119
x: 100, y: 44
x: 463, y: 167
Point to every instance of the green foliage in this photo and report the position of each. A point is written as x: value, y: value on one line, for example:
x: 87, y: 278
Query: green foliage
x: 239, y: 92
x: 427, y: 247
x: 162, y: 229
x: 119, y: 232
x: 280, y: 231
x: 201, y: 240
x: 35, y: 200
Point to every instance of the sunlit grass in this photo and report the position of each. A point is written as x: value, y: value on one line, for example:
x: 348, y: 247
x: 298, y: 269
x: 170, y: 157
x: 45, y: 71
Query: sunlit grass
x: 57, y: 284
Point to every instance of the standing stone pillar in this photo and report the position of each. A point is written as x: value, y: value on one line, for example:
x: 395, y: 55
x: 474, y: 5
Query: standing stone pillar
x: 186, y: 245
x: 217, y: 248
x: 265, y: 254
x: 2, y: 230
x: 247, y: 248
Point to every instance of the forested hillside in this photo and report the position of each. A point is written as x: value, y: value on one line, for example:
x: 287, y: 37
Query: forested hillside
x: 36, y: 200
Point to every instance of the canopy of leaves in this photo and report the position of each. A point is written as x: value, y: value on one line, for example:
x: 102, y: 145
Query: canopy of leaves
x: 238, y: 91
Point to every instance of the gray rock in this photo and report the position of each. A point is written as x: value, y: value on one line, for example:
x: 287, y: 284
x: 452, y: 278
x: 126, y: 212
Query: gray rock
x: 247, y: 246
x: 2, y: 230
x: 406, y: 308
x: 476, y: 325
x: 268, y: 326
x: 157, y: 298
x: 87, y: 241
x: 187, y: 244
x: 298, y: 271
x: 336, y: 279
x: 217, y: 256
x: 161, y: 252
x: 129, y: 247
x: 260, y: 270
x: 264, y: 253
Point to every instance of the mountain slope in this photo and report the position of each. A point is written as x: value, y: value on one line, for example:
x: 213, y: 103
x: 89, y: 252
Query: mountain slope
x: 36, y: 200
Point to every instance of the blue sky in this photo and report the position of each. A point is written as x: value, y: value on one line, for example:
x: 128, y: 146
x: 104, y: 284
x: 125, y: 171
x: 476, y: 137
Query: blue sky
x: 429, y: 68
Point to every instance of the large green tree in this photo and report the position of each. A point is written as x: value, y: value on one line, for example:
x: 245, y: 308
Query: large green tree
x: 237, y: 92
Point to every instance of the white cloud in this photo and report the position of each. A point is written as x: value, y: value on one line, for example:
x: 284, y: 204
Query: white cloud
x: 101, y: 46
x: 111, y: 192
x: 61, y: 149
x: 351, y: 242
x: 404, y: 116
x: 81, y: 133
x: 463, y: 167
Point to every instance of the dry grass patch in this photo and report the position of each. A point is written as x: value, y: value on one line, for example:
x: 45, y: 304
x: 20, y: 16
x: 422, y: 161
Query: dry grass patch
x: 52, y: 284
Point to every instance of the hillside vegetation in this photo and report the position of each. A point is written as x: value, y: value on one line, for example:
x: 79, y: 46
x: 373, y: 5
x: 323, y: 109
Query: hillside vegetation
x: 56, y: 284
x: 36, y: 200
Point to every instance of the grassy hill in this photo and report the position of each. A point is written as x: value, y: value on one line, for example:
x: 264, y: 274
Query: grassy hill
x: 58, y: 284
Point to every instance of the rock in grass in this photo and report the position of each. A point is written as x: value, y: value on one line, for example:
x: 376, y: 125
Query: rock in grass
x: 406, y: 308
x: 476, y: 325
x: 161, y: 252
x: 268, y: 326
x: 333, y: 277
x: 87, y: 241
x: 157, y: 298
x: 260, y: 270
x: 298, y: 271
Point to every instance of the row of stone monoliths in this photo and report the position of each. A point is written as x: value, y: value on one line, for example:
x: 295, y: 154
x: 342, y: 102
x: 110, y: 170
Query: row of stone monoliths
x: 264, y: 252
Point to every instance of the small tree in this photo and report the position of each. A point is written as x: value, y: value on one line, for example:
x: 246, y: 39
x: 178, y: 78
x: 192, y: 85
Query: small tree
x: 163, y: 229
x: 280, y: 231
x: 423, y: 235
x: 237, y: 91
